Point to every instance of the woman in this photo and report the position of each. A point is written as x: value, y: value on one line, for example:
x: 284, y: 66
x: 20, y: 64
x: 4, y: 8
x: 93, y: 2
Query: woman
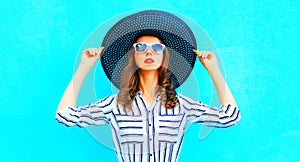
x: 147, y: 116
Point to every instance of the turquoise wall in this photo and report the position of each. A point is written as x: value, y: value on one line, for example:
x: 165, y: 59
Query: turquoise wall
x: 258, y: 46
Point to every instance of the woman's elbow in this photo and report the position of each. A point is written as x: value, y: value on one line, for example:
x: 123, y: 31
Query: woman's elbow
x: 228, y: 121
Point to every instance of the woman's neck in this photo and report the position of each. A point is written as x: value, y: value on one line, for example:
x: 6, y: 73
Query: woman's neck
x: 148, y: 82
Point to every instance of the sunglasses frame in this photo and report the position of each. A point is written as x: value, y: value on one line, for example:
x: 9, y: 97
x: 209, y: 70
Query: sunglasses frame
x: 148, y: 45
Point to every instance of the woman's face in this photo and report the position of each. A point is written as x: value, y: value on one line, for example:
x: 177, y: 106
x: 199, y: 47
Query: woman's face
x: 148, y: 60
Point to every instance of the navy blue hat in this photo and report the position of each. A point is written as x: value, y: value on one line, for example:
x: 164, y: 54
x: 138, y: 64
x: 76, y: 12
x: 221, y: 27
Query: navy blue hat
x: 170, y: 29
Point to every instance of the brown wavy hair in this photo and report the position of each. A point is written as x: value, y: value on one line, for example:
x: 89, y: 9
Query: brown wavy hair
x: 129, y: 86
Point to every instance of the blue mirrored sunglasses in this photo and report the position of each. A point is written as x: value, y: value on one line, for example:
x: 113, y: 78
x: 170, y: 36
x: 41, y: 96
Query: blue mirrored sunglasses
x: 155, y: 47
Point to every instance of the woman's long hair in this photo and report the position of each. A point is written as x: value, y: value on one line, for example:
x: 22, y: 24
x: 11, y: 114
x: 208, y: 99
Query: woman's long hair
x: 130, y: 83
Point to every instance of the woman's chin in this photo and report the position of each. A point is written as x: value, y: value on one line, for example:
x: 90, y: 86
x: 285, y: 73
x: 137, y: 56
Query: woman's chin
x: 150, y: 67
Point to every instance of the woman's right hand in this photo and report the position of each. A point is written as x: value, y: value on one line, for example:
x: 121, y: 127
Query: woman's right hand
x: 88, y: 59
x: 90, y: 56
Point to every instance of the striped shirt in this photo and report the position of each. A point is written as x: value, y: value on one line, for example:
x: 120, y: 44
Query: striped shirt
x: 150, y: 132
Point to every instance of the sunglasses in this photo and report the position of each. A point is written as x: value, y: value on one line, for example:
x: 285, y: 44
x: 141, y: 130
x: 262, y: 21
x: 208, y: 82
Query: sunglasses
x: 142, y: 47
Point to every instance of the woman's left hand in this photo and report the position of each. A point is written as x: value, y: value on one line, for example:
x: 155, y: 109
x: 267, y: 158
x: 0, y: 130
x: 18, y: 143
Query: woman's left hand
x: 208, y: 60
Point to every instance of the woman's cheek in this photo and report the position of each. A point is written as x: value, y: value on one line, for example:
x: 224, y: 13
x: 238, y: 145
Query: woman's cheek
x: 138, y: 61
x: 159, y: 60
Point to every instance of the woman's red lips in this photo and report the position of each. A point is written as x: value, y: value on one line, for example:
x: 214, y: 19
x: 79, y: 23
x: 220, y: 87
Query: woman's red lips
x: 149, y: 61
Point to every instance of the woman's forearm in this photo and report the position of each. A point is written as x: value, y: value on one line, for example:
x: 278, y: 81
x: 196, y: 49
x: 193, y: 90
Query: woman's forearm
x: 70, y: 95
x: 224, y: 92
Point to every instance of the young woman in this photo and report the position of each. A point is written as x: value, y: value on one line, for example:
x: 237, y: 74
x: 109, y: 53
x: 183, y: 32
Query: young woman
x: 147, y: 116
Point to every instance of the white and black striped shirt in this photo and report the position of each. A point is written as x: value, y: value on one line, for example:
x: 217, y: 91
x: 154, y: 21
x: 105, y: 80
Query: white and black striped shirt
x: 150, y: 132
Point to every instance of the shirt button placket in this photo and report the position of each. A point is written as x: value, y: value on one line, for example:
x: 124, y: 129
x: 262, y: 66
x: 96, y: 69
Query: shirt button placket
x: 150, y: 125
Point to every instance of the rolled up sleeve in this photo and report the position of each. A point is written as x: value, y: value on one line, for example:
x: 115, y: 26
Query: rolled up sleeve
x: 91, y: 114
x: 197, y: 112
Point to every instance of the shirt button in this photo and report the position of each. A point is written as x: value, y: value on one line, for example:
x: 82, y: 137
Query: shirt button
x: 150, y: 139
x: 149, y: 124
x: 150, y: 154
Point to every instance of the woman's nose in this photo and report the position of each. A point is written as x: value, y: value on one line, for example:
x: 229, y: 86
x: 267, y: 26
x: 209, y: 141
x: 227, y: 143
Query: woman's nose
x: 148, y: 51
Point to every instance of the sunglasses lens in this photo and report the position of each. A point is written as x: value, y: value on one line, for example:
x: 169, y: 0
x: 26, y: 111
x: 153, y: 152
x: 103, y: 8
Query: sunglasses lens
x: 140, y: 47
x: 158, y: 48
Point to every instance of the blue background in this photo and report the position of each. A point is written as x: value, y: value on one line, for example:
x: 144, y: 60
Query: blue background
x: 258, y: 43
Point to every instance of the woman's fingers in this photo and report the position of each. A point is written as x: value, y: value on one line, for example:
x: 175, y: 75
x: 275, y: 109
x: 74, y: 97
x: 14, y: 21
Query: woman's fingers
x: 205, y: 55
x: 91, y: 52
x: 94, y: 52
x: 88, y: 52
x: 197, y: 53
x: 207, y: 59
x: 99, y: 50
x: 201, y: 54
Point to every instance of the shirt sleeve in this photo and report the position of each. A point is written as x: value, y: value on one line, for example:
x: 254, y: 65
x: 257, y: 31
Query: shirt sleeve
x: 223, y: 117
x: 92, y: 114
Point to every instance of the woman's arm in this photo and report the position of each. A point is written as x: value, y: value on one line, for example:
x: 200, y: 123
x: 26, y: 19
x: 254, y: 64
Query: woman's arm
x: 88, y: 59
x: 225, y: 116
x: 209, y: 61
x: 224, y: 92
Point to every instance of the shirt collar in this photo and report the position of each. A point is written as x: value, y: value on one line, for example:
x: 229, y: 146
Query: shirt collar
x: 140, y: 93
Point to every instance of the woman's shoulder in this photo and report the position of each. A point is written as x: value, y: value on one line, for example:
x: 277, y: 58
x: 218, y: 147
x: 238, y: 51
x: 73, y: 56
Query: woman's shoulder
x: 181, y: 96
x: 109, y: 98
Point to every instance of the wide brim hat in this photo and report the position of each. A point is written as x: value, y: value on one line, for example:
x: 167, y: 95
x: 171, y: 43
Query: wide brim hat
x: 170, y: 29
